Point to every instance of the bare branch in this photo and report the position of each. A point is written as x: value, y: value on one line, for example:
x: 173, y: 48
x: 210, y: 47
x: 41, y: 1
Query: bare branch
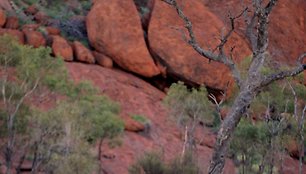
x: 218, y: 104
x: 283, y: 74
x: 221, y: 57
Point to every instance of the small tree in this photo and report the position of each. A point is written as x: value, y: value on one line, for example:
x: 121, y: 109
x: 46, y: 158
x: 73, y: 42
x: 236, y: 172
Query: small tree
x: 250, y: 87
x: 189, y: 107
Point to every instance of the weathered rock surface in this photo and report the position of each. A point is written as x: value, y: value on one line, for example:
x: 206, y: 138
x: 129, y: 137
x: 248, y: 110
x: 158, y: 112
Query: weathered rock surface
x: 103, y: 60
x: 35, y: 38
x: 287, y: 26
x: 114, y: 28
x: 166, y: 37
x: 61, y: 48
x: 2, y: 17
x: 136, y: 96
x: 82, y: 53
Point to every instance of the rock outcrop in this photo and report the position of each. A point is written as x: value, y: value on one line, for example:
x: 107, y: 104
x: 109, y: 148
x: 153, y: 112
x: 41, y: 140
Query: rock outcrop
x: 167, y: 40
x: 114, y: 28
x: 136, y: 96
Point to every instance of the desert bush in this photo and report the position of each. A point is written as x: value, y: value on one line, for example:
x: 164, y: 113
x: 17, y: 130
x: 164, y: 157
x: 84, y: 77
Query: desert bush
x: 153, y: 163
x: 149, y: 163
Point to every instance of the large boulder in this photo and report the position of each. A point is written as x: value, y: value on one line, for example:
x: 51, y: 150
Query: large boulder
x: 35, y: 38
x: 61, y: 48
x: 82, y: 53
x: 287, y: 26
x: 167, y: 40
x: 114, y: 28
x: 2, y: 17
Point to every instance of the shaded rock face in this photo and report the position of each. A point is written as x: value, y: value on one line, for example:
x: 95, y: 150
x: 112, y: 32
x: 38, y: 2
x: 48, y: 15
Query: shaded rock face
x: 2, y: 18
x: 136, y: 96
x: 166, y: 38
x: 114, y: 28
x: 103, y: 60
x: 61, y: 48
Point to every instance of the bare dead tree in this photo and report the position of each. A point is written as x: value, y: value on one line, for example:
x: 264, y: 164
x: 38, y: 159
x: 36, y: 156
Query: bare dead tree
x: 257, y: 34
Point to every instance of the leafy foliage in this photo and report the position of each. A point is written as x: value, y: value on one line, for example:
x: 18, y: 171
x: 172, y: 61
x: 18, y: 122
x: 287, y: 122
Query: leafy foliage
x: 57, y: 140
x: 152, y: 163
x: 187, y: 105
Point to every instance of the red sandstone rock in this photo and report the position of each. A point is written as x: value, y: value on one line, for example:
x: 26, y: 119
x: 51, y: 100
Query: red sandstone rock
x: 166, y: 39
x: 12, y: 22
x: 82, y: 53
x: 136, y: 96
x: 35, y: 38
x: 286, y: 26
x: 103, y: 60
x: 53, y: 31
x: 61, y: 48
x: 114, y: 28
x: 15, y: 33
x: 2, y: 17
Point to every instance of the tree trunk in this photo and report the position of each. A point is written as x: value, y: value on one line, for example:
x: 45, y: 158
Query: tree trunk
x: 232, y: 119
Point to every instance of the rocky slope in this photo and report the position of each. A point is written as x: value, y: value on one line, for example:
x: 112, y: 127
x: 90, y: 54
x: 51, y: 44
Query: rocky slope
x: 153, y: 49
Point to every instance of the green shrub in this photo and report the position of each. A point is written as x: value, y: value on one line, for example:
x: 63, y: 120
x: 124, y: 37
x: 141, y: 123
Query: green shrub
x: 149, y: 163
x: 140, y: 118
x: 152, y: 163
x: 189, y: 105
x: 187, y: 165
